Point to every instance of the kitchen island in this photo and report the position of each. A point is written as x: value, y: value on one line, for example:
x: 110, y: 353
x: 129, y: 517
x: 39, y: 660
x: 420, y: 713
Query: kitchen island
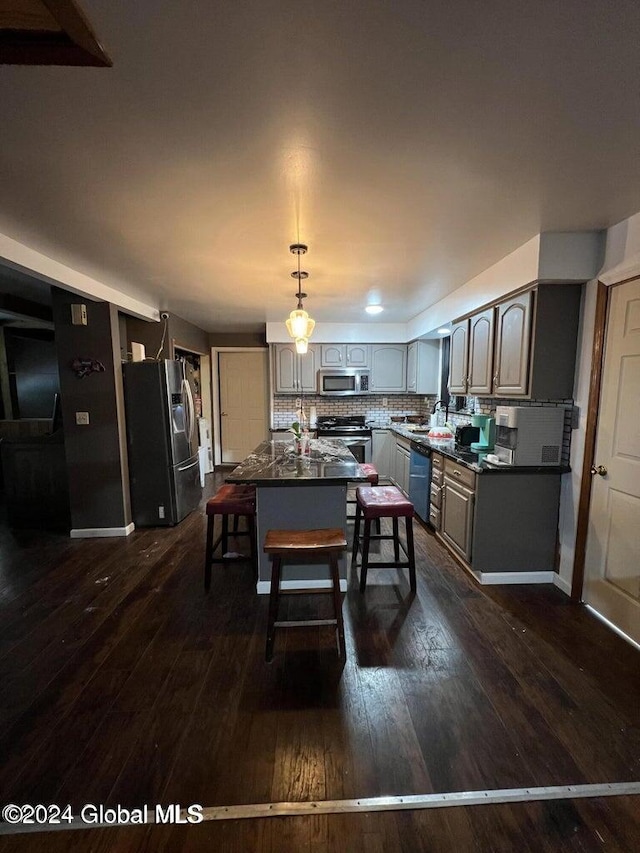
x: 299, y: 493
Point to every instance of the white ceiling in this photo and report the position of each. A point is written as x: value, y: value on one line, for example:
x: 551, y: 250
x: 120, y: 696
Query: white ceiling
x: 410, y: 143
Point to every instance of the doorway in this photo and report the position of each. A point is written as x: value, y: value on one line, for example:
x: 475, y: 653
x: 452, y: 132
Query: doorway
x: 612, y: 562
x: 243, y: 403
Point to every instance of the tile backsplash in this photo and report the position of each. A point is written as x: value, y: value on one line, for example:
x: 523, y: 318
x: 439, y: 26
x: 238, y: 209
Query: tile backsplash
x: 399, y: 405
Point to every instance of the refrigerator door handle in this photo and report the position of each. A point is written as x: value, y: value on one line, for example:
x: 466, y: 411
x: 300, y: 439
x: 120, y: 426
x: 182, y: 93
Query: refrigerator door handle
x: 186, y: 467
x: 191, y: 419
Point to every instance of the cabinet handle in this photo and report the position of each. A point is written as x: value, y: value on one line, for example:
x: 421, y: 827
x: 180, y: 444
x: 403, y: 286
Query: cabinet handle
x: 456, y: 473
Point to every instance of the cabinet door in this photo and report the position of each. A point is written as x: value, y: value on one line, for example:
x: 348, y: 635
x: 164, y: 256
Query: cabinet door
x: 286, y: 369
x: 388, y: 368
x: 481, y: 353
x: 405, y: 472
x: 412, y: 366
x: 456, y: 516
x: 307, y: 369
x: 333, y: 355
x: 382, y: 451
x: 427, y: 367
x: 458, y: 358
x: 357, y: 355
x: 513, y: 344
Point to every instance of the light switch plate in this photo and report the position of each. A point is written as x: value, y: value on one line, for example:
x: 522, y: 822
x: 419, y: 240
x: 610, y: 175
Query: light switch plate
x: 78, y: 314
x: 82, y: 418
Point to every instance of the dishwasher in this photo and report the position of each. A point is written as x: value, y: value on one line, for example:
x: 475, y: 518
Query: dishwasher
x: 420, y: 479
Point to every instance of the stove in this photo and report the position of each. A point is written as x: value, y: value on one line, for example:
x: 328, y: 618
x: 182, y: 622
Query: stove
x: 352, y: 429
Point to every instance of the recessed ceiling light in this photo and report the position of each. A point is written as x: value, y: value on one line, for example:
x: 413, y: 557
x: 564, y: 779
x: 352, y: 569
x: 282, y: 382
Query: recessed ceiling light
x: 374, y: 309
x: 443, y: 331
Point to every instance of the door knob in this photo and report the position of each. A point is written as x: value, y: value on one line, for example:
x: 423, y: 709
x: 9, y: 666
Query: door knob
x: 600, y: 470
x: 223, y: 414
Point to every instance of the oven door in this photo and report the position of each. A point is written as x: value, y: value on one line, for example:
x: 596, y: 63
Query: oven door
x: 360, y: 446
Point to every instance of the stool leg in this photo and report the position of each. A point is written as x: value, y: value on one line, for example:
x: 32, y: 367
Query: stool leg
x: 356, y: 535
x: 208, y: 553
x: 365, y: 554
x: 274, y: 595
x: 337, y: 605
x: 225, y: 535
x: 251, y: 526
x: 410, y: 549
x: 378, y: 526
x: 236, y: 519
x: 396, y: 541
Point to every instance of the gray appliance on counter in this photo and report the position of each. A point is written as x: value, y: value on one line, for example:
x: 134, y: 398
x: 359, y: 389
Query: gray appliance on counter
x: 420, y: 479
x: 162, y: 440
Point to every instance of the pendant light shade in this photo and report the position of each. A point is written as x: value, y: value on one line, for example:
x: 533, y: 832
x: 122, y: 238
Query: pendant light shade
x: 299, y: 325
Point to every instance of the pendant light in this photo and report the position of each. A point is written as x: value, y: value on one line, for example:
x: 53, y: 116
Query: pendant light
x: 300, y: 325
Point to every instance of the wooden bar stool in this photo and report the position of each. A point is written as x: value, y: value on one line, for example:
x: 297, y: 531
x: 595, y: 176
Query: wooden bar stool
x: 229, y: 502
x: 373, y: 503
x: 324, y: 545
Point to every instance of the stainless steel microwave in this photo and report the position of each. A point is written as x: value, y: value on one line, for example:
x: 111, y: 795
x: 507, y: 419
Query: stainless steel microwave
x: 343, y: 383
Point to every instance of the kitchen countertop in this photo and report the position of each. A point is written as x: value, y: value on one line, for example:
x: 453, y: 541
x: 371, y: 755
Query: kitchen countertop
x: 470, y: 458
x: 275, y: 463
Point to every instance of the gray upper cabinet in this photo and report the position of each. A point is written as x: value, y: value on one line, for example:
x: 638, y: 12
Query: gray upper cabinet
x: 357, y: 355
x: 523, y: 347
x: 294, y: 372
x: 333, y: 355
x: 458, y: 357
x: 480, y: 377
x: 344, y: 355
x: 388, y: 368
x: 423, y: 359
x: 513, y: 337
x: 536, y: 340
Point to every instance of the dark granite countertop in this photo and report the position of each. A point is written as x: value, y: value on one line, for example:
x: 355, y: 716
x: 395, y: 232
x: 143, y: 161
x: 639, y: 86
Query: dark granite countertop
x: 274, y: 463
x: 471, y: 459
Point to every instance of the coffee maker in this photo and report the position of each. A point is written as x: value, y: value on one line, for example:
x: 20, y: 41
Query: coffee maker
x: 487, y: 426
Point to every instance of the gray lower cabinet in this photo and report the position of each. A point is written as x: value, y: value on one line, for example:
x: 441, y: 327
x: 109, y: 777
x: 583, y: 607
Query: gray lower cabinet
x: 457, y: 508
x: 383, y: 449
x: 499, y: 522
x: 401, y: 468
x: 388, y: 368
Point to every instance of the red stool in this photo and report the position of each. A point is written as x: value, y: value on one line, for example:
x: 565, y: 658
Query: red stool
x: 325, y: 545
x: 371, y: 473
x: 374, y: 503
x: 229, y: 501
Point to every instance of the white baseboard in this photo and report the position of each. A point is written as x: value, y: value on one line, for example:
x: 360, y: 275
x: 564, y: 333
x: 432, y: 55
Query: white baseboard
x: 97, y: 532
x: 562, y: 584
x: 264, y: 587
x: 514, y: 577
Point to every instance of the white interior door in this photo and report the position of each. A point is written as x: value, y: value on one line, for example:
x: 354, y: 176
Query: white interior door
x: 612, y: 570
x: 243, y: 402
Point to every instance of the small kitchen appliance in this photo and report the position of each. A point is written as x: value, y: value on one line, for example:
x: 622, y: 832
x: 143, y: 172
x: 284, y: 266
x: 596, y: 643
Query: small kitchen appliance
x: 466, y: 434
x: 529, y: 435
x: 346, y: 382
x: 487, y: 429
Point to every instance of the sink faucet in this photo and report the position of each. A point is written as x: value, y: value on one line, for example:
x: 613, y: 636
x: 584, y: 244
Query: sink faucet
x: 442, y: 405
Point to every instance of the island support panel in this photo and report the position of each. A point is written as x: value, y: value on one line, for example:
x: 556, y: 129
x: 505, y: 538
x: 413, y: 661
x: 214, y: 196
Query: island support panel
x: 300, y: 507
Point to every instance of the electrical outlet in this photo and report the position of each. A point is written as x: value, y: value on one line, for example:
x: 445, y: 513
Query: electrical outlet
x: 82, y: 418
x: 384, y: 401
x: 298, y: 402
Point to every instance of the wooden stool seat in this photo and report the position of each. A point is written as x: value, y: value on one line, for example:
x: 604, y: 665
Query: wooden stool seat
x: 285, y: 541
x: 229, y: 501
x: 233, y: 500
x: 324, y: 544
x: 372, y: 504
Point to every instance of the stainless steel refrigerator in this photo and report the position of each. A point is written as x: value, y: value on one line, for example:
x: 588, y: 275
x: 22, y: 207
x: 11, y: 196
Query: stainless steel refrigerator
x: 162, y: 439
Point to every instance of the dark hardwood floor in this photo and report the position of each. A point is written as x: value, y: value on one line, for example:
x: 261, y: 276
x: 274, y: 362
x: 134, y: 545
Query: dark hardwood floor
x: 123, y: 683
